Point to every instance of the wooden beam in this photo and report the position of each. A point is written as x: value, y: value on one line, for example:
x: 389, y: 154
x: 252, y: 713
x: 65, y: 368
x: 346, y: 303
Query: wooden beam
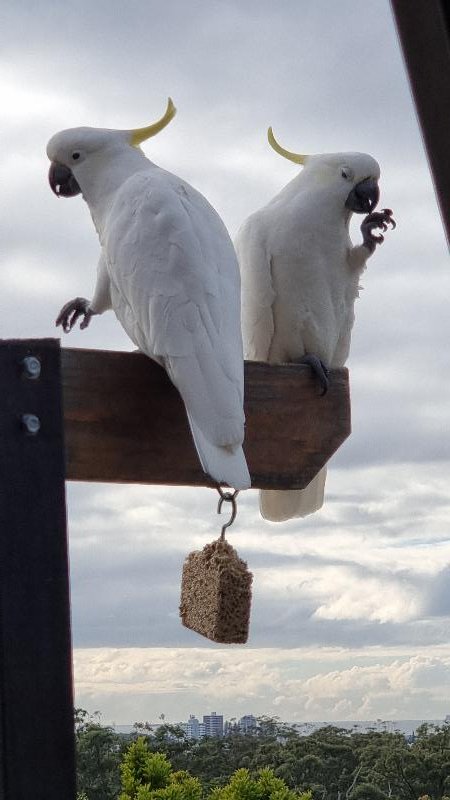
x: 125, y: 422
x: 424, y: 30
x: 36, y: 705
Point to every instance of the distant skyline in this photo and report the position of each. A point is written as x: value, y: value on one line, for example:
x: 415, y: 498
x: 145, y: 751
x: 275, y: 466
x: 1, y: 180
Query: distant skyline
x: 406, y: 726
x: 351, y: 607
x: 379, y: 721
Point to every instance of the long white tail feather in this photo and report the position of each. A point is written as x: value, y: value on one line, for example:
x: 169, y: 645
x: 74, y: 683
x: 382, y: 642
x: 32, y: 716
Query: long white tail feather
x: 278, y: 506
x: 225, y: 465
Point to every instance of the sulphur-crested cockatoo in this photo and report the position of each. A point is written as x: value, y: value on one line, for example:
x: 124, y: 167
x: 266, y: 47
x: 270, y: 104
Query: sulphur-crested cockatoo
x: 169, y: 271
x: 300, y: 275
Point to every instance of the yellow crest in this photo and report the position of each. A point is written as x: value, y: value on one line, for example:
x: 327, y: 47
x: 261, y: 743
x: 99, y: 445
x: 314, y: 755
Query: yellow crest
x: 139, y: 135
x: 297, y: 158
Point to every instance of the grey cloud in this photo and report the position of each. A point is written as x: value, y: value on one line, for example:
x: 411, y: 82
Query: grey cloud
x: 126, y: 582
x: 298, y: 628
x: 438, y: 599
x: 231, y: 55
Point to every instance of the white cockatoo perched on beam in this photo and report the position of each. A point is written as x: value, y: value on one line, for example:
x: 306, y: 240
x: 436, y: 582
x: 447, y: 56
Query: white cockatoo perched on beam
x: 168, y: 269
x: 300, y: 278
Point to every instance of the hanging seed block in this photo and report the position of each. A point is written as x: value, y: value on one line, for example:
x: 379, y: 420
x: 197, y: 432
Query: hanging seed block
x: 216, y: 593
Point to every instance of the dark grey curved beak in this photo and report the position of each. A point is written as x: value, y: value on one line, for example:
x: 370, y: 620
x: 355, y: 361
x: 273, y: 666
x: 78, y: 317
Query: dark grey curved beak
x: 364, y: 196
x: 62, y: 181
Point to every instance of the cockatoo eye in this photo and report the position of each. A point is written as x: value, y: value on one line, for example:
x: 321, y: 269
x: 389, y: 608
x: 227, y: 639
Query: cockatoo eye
x: 347, y: 173
x: 76, y: 155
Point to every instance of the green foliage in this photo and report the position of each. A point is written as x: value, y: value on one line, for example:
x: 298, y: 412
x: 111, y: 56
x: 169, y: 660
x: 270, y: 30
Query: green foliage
x: 141, y: 769
x: 272, y: 763
x: 149, y: 776
x: 264, y: 786
x: 367, y: 791
x: 98, y: 751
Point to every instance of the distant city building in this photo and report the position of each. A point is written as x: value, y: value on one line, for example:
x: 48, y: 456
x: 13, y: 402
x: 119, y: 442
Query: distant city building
x: 213, y: 724
x: 248, y: 724
x: 194, y: 728
x: 229, y: 727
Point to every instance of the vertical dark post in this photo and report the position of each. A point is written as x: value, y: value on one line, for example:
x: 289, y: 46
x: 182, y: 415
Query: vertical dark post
x: 424, y: 31
x: 36, y: 704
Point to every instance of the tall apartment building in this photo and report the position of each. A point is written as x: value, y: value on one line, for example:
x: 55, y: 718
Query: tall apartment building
x: 248, y: 724
x: 213, y: 724
x: 194, y: 728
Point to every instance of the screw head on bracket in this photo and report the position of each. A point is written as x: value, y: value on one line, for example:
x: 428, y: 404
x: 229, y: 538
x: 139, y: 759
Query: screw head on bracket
x: 31, y: 424
x: 31, y: 367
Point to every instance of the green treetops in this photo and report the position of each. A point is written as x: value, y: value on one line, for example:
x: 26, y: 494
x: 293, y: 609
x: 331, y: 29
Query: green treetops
x: 264, y: 787
x: 149, y: 776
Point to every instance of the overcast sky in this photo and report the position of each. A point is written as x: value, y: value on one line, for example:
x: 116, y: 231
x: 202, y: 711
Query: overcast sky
x: 351, y: 607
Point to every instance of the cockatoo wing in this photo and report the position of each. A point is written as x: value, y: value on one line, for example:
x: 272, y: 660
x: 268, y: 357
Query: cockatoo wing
x: 257, y: 290
x: 259, y: 320
x: 175, y: 288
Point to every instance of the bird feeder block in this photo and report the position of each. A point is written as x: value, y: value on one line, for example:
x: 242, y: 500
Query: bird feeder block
x: 216, y: 593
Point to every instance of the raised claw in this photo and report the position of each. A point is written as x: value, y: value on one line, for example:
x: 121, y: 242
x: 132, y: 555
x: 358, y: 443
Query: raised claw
x: 377, y: 219
x: 389, y: 219
x: 70, y: 313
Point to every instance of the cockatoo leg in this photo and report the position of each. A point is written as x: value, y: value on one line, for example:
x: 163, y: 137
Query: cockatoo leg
x: 319, y: 369
x: 71, y: 311
x: 376, y: 220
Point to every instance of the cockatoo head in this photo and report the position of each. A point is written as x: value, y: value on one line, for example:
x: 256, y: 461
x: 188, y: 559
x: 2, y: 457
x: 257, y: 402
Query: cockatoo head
x: 70, y: 150
x: 353, y: 177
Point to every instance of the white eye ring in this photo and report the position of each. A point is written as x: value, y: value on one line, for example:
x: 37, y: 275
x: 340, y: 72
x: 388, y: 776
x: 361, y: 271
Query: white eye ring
x: 76, y: 155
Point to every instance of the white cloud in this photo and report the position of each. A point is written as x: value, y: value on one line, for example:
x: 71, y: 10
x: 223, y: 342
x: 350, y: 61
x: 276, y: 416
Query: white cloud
x: 371, y: 567
x: 295, y: 684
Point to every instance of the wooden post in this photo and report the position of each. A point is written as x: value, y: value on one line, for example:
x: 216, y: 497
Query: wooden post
x: 36, y: 704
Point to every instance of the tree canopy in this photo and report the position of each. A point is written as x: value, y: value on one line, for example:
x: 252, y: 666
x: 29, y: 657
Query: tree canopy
x: 274, y: 762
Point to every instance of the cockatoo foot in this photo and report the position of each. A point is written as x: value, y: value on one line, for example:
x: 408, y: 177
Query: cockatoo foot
x: 377, y: 219
x: 71, y: 311
x: 319, y: 369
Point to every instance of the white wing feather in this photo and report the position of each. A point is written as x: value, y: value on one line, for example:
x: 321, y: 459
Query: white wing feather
x: 257, y: 290
x: 175, y: 288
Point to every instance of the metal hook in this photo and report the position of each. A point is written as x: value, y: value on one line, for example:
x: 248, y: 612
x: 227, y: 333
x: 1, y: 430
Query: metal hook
x: 227, y: 497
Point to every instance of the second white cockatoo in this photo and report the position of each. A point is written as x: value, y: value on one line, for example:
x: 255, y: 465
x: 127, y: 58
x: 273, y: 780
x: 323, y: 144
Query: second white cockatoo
x: 168, y: 269
x: 300, y: 277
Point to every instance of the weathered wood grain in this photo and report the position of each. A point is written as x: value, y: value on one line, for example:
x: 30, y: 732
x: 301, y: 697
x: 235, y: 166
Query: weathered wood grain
x: 125, y: 422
